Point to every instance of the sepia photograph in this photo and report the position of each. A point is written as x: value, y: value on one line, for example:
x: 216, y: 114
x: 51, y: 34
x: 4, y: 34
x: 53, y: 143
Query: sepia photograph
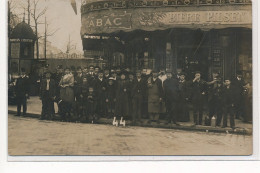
x: 130, y: 77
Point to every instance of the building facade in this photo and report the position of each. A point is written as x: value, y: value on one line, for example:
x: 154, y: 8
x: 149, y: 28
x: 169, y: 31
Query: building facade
x: 180, y: 35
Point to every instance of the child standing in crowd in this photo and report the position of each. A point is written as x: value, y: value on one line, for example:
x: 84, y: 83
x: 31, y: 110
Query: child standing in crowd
x: 100, y: 88
x: 82, y: 94
x: 47, y: 95
x: 110, y: 99
x: 66, y: 92
x: 91, y: 105
x: 229, y: 103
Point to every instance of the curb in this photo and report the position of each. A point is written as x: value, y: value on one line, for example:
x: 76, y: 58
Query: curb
x: 207, y: 129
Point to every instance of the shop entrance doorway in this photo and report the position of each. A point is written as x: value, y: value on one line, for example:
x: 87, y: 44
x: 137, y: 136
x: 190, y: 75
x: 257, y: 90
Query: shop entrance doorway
x: 192, y: 59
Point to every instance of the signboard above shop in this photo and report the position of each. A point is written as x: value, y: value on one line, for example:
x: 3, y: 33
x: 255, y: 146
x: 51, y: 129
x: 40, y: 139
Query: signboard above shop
x: 150, y: 19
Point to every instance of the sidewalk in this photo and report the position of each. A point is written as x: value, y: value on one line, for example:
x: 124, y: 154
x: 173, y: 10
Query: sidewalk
x: 34, y: 111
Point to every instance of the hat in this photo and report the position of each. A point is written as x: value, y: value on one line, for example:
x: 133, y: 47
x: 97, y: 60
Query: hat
x: 182, y: 73
x: 154, y: 71
x: 100, y: 71
x: 91, y: 66
x: 22, y: 69
x: 47, y: 72
x: 228, y: 78
x: 97, y: 67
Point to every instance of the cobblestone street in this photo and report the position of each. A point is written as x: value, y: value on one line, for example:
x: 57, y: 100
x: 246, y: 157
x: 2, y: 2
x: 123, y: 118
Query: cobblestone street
x: 28, y: 136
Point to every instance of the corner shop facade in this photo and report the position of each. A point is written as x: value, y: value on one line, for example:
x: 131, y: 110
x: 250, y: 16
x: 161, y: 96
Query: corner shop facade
x: 186, y: 35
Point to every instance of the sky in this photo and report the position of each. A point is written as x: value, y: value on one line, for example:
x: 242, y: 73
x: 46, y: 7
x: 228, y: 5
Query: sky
x: 61, y: 16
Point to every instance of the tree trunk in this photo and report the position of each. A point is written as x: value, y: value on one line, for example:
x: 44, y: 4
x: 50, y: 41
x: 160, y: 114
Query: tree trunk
x: 37, y: 40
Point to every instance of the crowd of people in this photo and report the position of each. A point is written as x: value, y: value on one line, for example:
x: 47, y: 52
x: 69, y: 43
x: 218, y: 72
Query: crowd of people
x: 91, y: 93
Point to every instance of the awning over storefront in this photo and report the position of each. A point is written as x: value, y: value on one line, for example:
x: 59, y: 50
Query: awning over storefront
x: 205, y: 17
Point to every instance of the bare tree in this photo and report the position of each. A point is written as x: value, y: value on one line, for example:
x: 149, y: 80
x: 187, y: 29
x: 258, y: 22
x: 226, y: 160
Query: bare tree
x: 47, y: 33
x: 36, y: 14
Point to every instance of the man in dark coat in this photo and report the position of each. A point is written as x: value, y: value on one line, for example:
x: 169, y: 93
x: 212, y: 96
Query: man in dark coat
x: 47, y: 95
x: 100, y: 85
x: 122, y: 109
x: 138, y: 94
x: 198, y: 87
x: 238, y: 86
x: 91, y: 75
x: 215, y: 99
x: 184, y: 97
x: 21, y: 92
x: 130, y: 86
x: 155, y: 97
x: 171, y: 90
x: 229, y: 103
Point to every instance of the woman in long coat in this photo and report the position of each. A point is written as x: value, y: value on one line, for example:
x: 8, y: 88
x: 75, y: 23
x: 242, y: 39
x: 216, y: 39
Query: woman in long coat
x: 66, y: 90
x: 122, y: 105
x: 155, y: 97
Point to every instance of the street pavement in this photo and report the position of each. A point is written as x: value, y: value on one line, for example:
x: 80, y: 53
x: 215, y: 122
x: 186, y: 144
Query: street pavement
x: 34, y: 110
x: 30, y: 136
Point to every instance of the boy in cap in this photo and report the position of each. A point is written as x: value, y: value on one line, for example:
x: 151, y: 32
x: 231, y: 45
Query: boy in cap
x: 47, y: 95
x: 82, y: 94
x: 229, y: 103
x: 110, y: 98
x: 91, y: 105
x: 21, y: 92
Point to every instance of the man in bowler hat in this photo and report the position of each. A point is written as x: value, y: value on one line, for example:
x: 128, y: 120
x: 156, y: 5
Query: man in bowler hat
x: 21, y: 92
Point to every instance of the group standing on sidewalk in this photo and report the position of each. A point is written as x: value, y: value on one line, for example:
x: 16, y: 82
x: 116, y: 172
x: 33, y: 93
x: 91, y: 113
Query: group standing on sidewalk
x: 91, y: 93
